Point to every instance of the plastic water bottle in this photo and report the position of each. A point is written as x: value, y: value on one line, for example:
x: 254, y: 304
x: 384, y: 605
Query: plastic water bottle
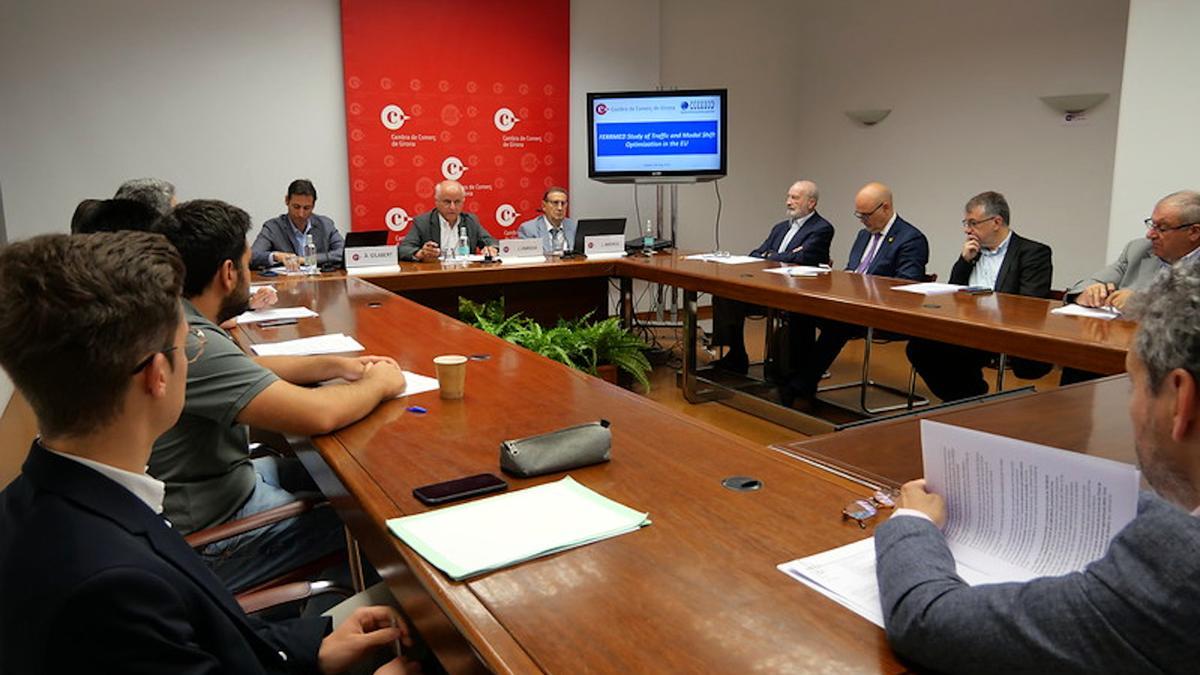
x: 462, y: 250
x: 648, y: 239
x: 556, y: 242
x: 310, y: 255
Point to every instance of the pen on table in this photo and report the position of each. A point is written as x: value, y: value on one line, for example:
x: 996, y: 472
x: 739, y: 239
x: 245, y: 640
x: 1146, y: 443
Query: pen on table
x: 396, y: 643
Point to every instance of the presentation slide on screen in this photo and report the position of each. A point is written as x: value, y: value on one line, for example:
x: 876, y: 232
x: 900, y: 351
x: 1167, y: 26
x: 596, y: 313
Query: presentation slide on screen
x: 667, y: 133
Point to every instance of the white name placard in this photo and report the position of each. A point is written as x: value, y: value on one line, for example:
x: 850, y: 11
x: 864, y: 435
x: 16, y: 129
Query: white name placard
x: 370, y: 256
x: 520, y: 248
x: 604, y: 243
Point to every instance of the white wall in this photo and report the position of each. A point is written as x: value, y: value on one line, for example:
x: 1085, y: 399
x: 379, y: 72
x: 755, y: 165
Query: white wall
x: 963, y: 81
x: 1157, y: 141
x: 225, y: 98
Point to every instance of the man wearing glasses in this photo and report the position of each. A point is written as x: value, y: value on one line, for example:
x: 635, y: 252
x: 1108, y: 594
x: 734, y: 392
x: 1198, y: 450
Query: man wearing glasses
x: 887, y: 246
x: 996, y: 258
x: 553, y: 227
x: 204, y: 458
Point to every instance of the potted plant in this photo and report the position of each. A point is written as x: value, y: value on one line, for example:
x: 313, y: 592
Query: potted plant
x: 582, y: 343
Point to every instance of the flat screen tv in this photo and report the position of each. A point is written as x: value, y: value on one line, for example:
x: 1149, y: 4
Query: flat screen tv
x: 657, y: 136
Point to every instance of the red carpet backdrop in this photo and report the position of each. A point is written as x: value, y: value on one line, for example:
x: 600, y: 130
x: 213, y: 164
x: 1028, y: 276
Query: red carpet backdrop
x: 474, y: 91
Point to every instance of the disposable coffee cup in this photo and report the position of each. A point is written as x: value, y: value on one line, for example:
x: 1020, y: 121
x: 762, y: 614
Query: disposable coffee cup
x: 451, y: 375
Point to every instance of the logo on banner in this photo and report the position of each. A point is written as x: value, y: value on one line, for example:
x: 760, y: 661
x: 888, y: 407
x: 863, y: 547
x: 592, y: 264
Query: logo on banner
x: 397, y: 219
x: 505, y: 120
x: 453, y: 168
x: 506, y: 215
x: 601, y: 109
x: 393, y: 117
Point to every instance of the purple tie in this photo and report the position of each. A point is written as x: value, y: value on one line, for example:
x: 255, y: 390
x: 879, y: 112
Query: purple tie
x: 869, y: 255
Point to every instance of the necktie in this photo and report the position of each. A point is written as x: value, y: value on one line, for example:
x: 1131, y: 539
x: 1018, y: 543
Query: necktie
x: 869, y: 255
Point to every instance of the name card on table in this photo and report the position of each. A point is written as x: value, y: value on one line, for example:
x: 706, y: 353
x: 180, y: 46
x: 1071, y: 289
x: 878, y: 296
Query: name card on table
x: 370, y: 256
x: 521, y: 248
x: 604, y: 244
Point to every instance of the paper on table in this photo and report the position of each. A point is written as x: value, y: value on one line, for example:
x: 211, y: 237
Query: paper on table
x: 283, y: 271
x: 928, y: 288
x: 372, y: 269
x: 333, y: 343
x: 523, y: 260
x: 417, y: 384
x: 606, y: 256
x: 1019, y: 510
x: 274, y: 313
x: 799, y: 271
x: 254, y: 288
x: 1106, y: 313
x: 496, y: 532
x: 724, y: 259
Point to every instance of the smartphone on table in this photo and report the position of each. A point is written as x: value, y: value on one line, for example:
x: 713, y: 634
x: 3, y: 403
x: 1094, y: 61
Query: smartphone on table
x: 460, y: 488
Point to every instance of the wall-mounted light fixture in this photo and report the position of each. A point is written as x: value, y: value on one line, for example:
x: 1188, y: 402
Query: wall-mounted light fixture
x: 1073, y: 104
x: 868, y: 117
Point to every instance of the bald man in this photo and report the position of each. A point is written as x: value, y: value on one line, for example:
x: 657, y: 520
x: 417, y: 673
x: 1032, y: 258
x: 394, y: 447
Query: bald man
x: 434, y: 231
x: 887, y: 246
x: 802, y: 239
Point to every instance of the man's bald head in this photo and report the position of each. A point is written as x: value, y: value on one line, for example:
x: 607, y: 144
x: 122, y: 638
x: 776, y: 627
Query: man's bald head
x: 449, y: 196
x: 873, y: 206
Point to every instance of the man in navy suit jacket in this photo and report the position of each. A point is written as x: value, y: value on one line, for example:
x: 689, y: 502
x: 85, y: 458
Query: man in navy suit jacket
x: 1134, y: 610
x: 802, y: 239
x: 887, y: 246
x: 93, y: 578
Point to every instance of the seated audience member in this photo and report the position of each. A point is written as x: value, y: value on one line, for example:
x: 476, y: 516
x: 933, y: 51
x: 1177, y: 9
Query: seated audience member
x: 887, y: 246
x: 114, y: 215
x: 1132, y: 611
x: 282, y: 238
x: 156, y: 193
x: 993, y: 257
x: 93, y: 579
x: 553, y: 221
x: 203, y: 458
x: 1172, y: 234
x: 83, y: 211
x: 435, y: 231
x: 803, y: 239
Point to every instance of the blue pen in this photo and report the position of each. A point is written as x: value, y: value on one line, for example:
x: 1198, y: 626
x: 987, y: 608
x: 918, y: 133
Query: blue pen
x: 416, y: 409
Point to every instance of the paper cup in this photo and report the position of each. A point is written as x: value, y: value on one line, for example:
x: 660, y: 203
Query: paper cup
x: 451, y: 375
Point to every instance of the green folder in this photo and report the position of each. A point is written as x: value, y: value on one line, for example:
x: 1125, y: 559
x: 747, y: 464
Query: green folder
x: 488, y: 534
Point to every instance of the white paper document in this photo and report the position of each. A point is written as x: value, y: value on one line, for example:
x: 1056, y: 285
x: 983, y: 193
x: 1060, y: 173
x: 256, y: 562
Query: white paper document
x: 254, y: 288
x: 1015, y: 511
x: 522, y: 260
x: 372, y: 269
x: 928, y: 288
x: 275, y: 313
x: 283, y: 272
x: 417, y: 384
x: 334, y: 343
x: 1106, y: 313
x: 606, y: 256
x: 725, y: 259
x: 799, y: 271
x: 488, y: 534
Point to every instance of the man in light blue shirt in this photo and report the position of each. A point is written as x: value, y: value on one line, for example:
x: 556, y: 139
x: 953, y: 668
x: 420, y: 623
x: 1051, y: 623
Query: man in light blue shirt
x: 553, y: 221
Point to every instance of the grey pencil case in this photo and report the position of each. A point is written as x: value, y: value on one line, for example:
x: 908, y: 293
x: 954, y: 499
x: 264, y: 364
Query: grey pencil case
x: 560, y: 450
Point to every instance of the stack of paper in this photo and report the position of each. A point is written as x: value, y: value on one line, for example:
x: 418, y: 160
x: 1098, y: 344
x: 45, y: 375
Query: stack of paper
x: 724, y: 259
x: 274, y: 313
x: 1015, y: 511
x: 606, y: 256
x: 333, y: 343
x: 928, y: 288
x: 799, y: 271
x: 522, y: 260
x: 372, y: 269
x: 417, y: 384
x: 504, y: 530
x: 1106, y: 313
x: 283, y: 271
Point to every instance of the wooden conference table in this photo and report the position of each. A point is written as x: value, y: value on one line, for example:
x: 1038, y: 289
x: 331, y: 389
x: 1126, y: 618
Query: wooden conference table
x: 696, y: 591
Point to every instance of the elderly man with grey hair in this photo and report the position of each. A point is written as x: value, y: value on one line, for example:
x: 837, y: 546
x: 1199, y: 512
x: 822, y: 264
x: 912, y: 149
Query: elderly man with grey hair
x: 1133, y: 610
x: 156, y: 193
x: 435, y: 231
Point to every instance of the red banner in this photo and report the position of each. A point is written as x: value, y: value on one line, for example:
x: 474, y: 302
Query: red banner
x: 472, y: 91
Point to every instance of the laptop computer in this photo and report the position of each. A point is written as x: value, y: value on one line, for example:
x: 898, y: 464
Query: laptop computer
x: 366, y: 238
x: 592, y: 227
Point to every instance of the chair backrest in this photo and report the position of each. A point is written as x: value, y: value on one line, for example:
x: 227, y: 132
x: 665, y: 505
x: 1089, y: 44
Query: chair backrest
x: 1058, y: 294
x: 18, y: 427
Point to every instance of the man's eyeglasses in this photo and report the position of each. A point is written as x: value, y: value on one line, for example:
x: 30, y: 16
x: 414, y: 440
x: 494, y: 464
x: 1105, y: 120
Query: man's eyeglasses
x: 557, y: 202
x: 863, y: 216
x: 193, y: 347
x: 1151, y: 225
x: 971, y: 223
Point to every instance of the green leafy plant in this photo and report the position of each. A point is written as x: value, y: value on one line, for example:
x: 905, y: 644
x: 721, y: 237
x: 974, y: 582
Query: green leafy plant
x: 582, y: 343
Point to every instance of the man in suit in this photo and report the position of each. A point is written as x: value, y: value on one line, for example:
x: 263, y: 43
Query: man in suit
x: 438, y: 230
x: 204, y: 457
x: 553, y: 221
x: 282, y: 238
x: 156, y: 193
x: 1172, y: 234
x: 887, y: 246
x: 93, y: 578
x: 1132, y: 611
x: 993, y: 257
x: 803, y: 239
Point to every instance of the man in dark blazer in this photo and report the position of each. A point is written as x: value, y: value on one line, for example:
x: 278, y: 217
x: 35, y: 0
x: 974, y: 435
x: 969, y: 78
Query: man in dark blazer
x: 996, y: 258
x: 435, y: 231
x: 887, y: 246
x: 282, y: 238
x: 803, y: 239
x: 93, y: 578
x: 1134, y: 610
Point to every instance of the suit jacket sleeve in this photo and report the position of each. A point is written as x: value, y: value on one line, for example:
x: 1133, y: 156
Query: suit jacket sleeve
x: 1109, y: 275
x: 260, y: 251
x: 911, y: 258
x: 413, y: 239
x: 336, y: 245
x: 1036, y: 270
x: 765, y: 249
x: 816, y: 247
x: 482, y: 236
x: 1079, y: 622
